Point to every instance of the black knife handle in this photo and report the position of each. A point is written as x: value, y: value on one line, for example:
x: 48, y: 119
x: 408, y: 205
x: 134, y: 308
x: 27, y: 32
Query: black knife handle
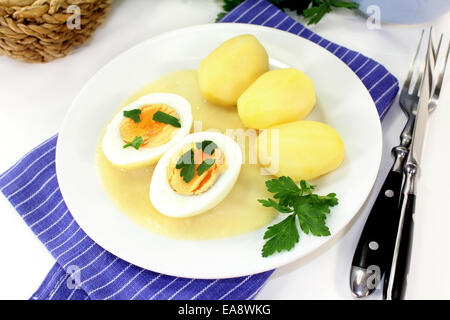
x: 377, y: 240
x: 403, y: 254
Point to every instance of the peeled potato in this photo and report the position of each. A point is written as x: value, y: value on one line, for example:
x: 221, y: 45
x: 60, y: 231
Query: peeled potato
x: 301, y: 149
x: 231, y: 68
x: 278, y: 96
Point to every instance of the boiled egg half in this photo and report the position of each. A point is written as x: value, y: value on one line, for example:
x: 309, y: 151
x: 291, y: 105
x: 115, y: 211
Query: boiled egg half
x: 143, y: 130
x: 195, y: 175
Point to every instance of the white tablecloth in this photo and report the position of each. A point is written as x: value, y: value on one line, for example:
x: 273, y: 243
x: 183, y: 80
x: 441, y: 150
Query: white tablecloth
x: 34, y: 99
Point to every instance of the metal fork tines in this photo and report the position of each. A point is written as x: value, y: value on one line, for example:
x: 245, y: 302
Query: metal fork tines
x: 409, y: 95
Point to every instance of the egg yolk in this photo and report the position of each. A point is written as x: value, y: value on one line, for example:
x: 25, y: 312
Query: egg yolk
x: 199, y: 183
x: 152, y: 132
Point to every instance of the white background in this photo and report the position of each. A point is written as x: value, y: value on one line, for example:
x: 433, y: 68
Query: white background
x: 34, y: 99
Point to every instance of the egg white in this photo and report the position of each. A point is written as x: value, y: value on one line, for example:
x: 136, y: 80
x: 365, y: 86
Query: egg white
x: 175, y: 205
x: 112, y: 143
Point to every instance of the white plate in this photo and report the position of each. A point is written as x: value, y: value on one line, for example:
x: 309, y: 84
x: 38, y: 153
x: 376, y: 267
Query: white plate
x: 343, y: 102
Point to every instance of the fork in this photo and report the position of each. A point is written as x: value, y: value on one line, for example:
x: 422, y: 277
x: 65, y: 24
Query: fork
x: 373, y: 254
x: 396, y: 275
x: 408, y: 101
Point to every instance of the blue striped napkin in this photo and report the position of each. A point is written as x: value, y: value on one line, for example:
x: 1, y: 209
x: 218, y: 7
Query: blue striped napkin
x: 83, y: 269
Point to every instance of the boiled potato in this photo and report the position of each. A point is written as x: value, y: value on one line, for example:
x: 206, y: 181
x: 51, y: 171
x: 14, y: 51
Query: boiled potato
x: 276, y: 97
x: 300, y: 149
x: 231, y: 68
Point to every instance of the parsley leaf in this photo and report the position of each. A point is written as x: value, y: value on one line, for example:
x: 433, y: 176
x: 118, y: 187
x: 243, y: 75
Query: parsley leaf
x: 187, y: 163
x: 205, y: 165
x: 319, y: 8
x: 281, y: 236
x: 312, y: 212
x: 207, y: 146
x: 273, y: 204
x: 133, y: 114
x: 187, y: 166
x: 284, y: 189
x: 313, y: 10
x: 136, y: 143
x: 310, y: 209
x: 163, y: 117
x: 316, y: 13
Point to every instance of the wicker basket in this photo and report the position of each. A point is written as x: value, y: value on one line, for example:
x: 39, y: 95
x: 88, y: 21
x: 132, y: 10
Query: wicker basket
x: 43, y: 30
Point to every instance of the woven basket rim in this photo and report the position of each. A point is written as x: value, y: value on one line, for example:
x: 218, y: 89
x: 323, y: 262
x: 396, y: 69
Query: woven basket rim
x: 19, y: 4
x: 36, y: 30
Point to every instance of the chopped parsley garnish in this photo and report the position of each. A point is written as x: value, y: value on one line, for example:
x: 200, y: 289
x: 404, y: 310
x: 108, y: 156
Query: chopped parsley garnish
x: 207, y: 146
x: 136, y: 143
x: 187, y: 166
x: 205, y: 165
x: 163, y: 117
x: 133, y: 114
x: 308, y: 208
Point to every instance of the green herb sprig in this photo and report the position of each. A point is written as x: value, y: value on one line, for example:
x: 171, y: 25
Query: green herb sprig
x: 207, y: 146
x: 163, y: 117
x: 187, y: 164
x: 136, y: 143
x: 312, y: 10
x: 301, y: 204
x: 134, y: 114
x: 205, y: 165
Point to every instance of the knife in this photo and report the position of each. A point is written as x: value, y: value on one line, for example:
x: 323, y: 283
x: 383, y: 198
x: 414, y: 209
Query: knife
x: 373, y: 254
x: 396, y: 274
x: 374, y: 249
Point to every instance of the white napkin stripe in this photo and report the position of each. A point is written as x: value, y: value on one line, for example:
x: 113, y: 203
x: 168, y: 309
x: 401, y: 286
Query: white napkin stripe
x: 54, y: 223
x: 259, y: 14
x: 65, y: 241
x: 235, y: 287
x: 71, y: 248
x: 125, y: 285
x: 371, y: 70
x: 146, y: 286
x: 204, y: 289
x: 100, y: 272
x: 78, y: 256
x: 245, y: 12
x: 49, y: 213
x: 381, y: 79
x: 31, y: 180
x: 163, y: 289
x: 26, y: 169
x: 41, y: 204
x: 111, y: 281
x: 180, y: 290
x: 35, y: 193
x: 60, y: 234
